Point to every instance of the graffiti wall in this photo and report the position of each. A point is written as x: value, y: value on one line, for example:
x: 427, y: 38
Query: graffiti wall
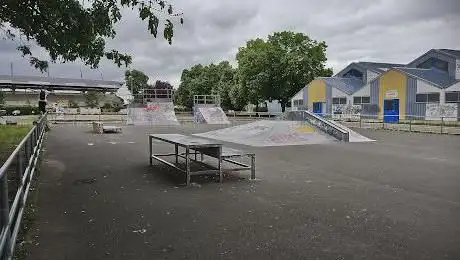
x: 435, y: 111
x: 346, y: 111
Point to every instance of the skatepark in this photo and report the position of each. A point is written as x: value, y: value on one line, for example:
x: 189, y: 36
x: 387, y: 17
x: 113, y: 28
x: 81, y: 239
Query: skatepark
x: 295, y: 186
x: 329, y: 199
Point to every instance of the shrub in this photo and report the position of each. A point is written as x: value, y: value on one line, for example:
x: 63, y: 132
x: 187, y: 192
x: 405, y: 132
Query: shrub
x: 25, y: 110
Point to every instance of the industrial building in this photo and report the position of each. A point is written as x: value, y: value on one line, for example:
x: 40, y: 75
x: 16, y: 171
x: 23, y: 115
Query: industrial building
x: 426, y: 88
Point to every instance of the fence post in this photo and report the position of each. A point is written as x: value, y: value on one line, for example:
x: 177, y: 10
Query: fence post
x: 360, y: 119
x: 5, y: 215
x: 410, y: 124
x: 442, y: 123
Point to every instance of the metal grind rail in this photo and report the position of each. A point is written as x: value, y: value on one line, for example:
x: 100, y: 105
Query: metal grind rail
x: 319, y: 122
x: 18, y: 170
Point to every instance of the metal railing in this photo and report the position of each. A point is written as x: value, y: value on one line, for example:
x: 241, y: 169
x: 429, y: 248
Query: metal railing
x: 319, y: 122
x: 203, y: 100
x: 408, y: 123
x: 18, y: 172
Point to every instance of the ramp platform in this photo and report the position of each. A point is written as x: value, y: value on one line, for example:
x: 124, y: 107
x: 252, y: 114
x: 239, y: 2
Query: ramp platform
x: 270, y: 133
x: 207, y: 110
x: 152, y: 107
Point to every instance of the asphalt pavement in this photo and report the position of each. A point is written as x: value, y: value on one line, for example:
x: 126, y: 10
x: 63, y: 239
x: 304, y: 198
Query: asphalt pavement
x: 396, y: 198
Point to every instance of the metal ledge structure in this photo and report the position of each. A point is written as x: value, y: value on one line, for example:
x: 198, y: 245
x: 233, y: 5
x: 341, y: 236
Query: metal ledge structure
x: 206, y: 100
x: 51, y: 83
x: 100, y: 128
x: 195, y: 146
x: 321, y: 123
x: 22, y: 162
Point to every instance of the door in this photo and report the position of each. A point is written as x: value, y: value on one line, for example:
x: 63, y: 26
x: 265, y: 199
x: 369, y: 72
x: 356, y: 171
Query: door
x: 391, y: 111
x: 318, y: 108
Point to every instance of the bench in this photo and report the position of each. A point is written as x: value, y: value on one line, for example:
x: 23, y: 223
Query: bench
x: 200, y: 146
x: 99, y: 127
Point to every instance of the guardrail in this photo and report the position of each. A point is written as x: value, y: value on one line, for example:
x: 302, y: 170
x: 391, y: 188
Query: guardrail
x: 18, y: 170
x: 320, y: 122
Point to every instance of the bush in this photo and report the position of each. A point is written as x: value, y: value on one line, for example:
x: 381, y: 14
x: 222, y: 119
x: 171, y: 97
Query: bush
x: 25, y: 110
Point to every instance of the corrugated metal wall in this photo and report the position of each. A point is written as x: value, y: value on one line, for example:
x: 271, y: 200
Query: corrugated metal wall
x: 328, y: 109
x: 375, y: 92
x: 305, y: 97
x: 413, y: 110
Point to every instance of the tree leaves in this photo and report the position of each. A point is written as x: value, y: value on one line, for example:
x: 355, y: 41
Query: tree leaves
x: 25, y: 50
x: 278, y: 68
x: 206, y: 80
x: 68, y: 30
x: 136, y: 80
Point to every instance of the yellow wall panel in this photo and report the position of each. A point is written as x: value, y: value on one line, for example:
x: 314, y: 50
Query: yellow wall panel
x: 393, y: 86
x: 316, y: 92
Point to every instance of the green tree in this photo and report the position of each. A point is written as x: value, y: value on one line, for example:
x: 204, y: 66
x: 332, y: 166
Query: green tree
x: 278, y: 68
x: 254, y: 63
x: 92, y: 98
x: 206, y: 80
x: 70, y: 29
x: 135, y: 81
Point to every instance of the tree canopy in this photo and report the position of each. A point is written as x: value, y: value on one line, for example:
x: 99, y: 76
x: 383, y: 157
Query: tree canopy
x: 276, y: 69
x: 135, y: 81
x: 70, y: 30
x: 207, y: 80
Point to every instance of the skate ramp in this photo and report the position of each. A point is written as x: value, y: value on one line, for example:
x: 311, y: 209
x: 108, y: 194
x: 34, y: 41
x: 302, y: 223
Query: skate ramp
x: 354, y: 137
x: 211, y: 115
x: 155, y: 113
x: 270, y: 133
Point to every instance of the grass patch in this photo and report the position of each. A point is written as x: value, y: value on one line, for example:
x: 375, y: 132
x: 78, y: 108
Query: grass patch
x: 10, y: 136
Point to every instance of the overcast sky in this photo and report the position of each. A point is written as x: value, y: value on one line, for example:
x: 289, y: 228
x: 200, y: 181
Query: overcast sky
x: 393, y: 31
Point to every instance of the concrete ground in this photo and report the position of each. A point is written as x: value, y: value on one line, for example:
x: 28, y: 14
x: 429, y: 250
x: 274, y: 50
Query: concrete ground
x: 397, y: 198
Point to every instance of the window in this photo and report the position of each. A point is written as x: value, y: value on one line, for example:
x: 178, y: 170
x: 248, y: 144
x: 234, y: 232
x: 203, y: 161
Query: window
x: 434, y: 63
x: 361, y: 100
x: 453, y: 97
x: 339, y: 101
x: 353, y: 73
x: 298, y: 102
x: 427, y: 98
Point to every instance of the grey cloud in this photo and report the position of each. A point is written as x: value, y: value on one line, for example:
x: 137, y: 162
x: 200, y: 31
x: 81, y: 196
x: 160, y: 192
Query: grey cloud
x: 382, y: 30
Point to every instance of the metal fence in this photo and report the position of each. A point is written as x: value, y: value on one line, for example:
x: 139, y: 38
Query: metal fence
x: 16, y: 176
x: 409, y: 123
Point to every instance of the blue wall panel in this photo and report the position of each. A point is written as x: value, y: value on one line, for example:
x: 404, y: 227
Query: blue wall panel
x: 305, y: 97
x: 328, y: 109
x: 375, y: 91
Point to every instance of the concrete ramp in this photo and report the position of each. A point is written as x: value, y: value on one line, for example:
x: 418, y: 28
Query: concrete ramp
x: 154, y: 113
x: 354, y: 137
x: 270, y: 133
x: 210, y: 115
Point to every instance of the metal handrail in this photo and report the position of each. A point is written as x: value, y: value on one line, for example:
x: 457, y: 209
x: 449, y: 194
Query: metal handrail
x: 321, y: 123
x: 25, y: 157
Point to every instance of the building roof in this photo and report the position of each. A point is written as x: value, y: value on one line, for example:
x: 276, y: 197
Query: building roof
x: 455, y: 53
x: 346, y: 85
x: 378, y: 66
x: 22, y: 82
x: 434, y: 76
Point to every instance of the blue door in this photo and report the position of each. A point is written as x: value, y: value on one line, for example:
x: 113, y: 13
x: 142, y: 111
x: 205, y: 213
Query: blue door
x: 391, y: 111
x: 318, y: 108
